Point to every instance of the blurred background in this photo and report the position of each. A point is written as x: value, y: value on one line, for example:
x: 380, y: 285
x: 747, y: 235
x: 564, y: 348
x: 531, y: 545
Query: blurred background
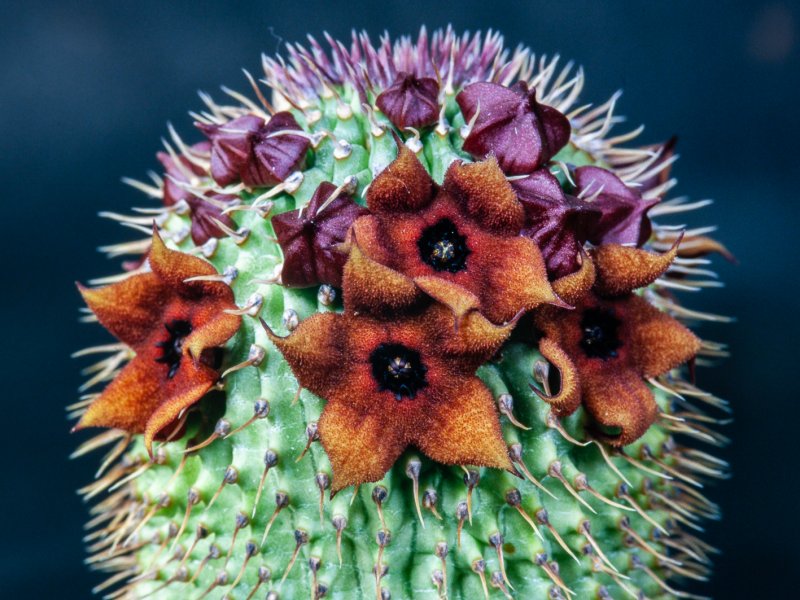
x: 86, y: 90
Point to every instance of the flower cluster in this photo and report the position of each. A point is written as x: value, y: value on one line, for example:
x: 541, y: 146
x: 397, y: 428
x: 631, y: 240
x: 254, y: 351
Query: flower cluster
x: 434, y: 278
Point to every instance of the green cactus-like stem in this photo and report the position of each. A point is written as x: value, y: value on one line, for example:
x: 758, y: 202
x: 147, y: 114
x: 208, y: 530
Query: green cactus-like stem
x: 580, y: 521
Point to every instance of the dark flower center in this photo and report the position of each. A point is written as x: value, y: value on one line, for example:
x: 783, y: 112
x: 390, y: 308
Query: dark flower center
x: 171, y: 348
x: 443, y: 248
x: 600, y: 333
x: 399, y: 370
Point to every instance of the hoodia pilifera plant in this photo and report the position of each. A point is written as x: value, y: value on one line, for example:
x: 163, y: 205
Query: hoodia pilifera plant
x: 404, y: 324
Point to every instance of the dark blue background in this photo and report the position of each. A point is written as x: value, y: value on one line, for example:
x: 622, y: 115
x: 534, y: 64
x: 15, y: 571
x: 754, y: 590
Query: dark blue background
x: 85, y: 92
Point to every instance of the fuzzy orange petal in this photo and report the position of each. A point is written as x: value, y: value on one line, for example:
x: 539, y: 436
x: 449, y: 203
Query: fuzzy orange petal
x: 487, y: 195
x: 567, y: 399
x: 463, y: 427
x: 129, y: 308
x: 622, y: 269
x: 172, y: 268
x: 458, y: 299
x: 191, y: 383
x: 360, y: 446
x: 314, y: 351
x: 404, y: 185
x: 516, y: 268
x: 371, y: 286
x: 658, y: 342
x: 571, y: 288
x: 618, y: 399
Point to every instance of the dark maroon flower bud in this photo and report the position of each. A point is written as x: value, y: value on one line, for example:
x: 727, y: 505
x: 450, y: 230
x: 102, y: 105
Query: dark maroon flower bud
x: 175, y: 174
x: 624, y: 212
x: 205, y: 212
x: 410, y: 102
x: 512, y: 125
x: 310, y: 240
x: 245, y: 150
x: 557, y: 222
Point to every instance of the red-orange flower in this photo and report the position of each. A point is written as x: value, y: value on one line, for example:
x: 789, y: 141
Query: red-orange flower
x: 176, y: 328
x: 465, y: 234
x: 613, y: 339
x: 399, y: 382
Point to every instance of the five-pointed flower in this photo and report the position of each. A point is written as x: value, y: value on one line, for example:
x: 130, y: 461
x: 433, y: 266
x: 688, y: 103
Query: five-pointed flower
x: 512, y: 125
x: 175, y: 326
x: 394, y: 383
x: 611, y: 341
x: 464, y: 234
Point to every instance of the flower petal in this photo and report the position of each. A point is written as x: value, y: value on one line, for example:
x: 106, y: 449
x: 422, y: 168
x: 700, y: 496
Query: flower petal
x: 486, y: 194
x: 513, y: 277
x: 619, y: 401
x: 181, y: 171
x: 567, y: 399
x: 622, y: 269
x: 191, y: 383
x: 404, y: 185
x: 658, y: 342
x: 462, y: 427
x: 128, y: 308
x: 361, y: 447
x: 315, y: 351
x: 571, y: 288
x: 370, y: 286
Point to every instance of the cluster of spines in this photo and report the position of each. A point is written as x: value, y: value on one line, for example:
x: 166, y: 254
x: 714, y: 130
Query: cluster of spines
x: 472, y: 544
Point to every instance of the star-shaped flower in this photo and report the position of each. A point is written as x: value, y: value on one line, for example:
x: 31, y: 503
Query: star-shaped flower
x: 205, y: 211
x: 176, y: 328
x: 311, y: 238
x: 511, y: 125
x: 464, y: 235
x: 405, y: 381
x: 255, y: 152
x: 614, y: 339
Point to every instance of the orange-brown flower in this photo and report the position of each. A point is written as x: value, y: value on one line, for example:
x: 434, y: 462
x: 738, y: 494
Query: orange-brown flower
x: 399, y: 382
x: 610, y: 342
x: 463, y: 234
x: 176, y: 328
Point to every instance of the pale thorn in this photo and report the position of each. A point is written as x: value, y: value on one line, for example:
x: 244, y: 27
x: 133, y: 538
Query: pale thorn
x: 239, y: 236
x: 140, y: 228
x: 221, y: 429
x: 637, y: 464
x: 554, y: 470
x: 505, y: 403
x: 466, y: 129
x: 250, y: 308
x: 264, y: 102
x: 541, y: 560
x: 159, y: 219
x: 553, y: 422
x: 255, y: 356
x: 149, y: 190
x: 584, y: 530
x: 626, y: 527
x: 543, y: 518
x: 412, y: 471
x: 582, y: 484
x: 673, y: 207
x: 348, y: 186
x: 515, y: 453
x: 622, y: 492
x: 227, y: 276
